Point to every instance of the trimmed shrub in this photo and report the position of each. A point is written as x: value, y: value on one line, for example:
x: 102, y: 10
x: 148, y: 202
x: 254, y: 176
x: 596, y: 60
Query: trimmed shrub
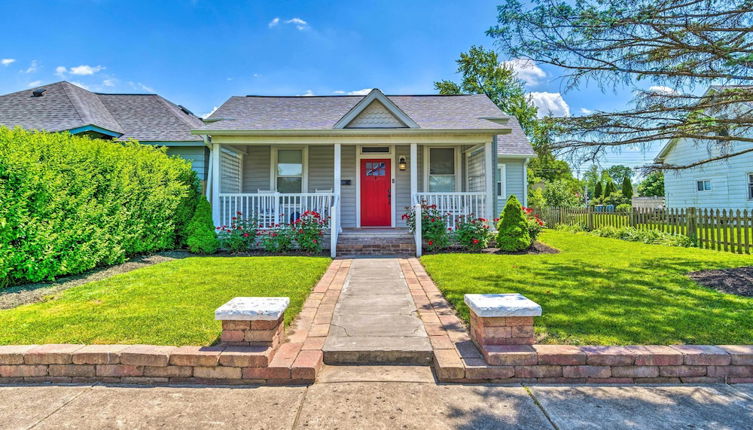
x: 201, y: 236
x: 624, y: 208
x: 512, y: 230
x: 72, y: 203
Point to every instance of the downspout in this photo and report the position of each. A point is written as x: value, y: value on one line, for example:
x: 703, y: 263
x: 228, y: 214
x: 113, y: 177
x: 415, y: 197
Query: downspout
x: 208, y: 191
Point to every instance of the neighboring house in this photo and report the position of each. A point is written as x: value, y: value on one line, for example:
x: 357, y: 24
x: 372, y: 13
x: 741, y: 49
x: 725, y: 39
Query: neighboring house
x: 369, y: 157
x: 148, y: 118
x: 722, y: 184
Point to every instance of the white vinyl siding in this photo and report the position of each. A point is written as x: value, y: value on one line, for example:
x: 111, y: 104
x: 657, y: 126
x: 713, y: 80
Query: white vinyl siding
x: 321, y: 165
x: 348, y: 192
x: 729, y: 179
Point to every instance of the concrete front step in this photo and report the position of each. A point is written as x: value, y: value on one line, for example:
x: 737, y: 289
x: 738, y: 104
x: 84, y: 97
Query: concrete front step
x: 411, y: 353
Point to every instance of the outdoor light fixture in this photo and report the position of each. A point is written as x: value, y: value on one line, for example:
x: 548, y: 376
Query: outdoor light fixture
x: 402, y: 164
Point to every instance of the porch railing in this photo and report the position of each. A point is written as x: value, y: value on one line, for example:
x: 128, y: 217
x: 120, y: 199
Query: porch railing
x: 273, y: 209
x: 455, y: 205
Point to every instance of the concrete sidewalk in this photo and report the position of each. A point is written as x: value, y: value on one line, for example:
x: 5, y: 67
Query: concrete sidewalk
x: 379, y: 397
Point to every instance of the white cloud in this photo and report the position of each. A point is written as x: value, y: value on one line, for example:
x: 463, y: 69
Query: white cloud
x: 141, y: 87
x: 7, y: 61
x: 585, y: 111
x: 526, y: 70
x: 362, y: 92
x: 257, y: 75
x: 32, y: 67
x: 214, y: 109
x: 109, y: 82
x: 550, y: 104
x: 662, y: 90
x: 338, y: 92
x: 299, y: 23
x: 34, y: 83
x: 84, y: 69
x: 79, y: 84
x: 308, y: 93
x: 60, y: 71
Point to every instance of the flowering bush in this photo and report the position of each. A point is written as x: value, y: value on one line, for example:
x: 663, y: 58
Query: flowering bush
x: 433, y: 226
x: 473, y: 233
x: 277, y: 241
x: 308, y: 231
x: 239, y: 236
x: 535, y: 224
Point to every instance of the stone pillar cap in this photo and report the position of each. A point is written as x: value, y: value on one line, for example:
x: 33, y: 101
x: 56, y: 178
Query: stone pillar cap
x: 502, y: 305
x: 252, y: 308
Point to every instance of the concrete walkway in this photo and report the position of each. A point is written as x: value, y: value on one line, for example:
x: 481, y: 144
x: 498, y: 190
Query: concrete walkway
x: 375, y: 319
x: 383, y: 397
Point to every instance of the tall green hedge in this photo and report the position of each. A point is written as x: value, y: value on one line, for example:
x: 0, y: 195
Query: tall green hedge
x: 68, y: 203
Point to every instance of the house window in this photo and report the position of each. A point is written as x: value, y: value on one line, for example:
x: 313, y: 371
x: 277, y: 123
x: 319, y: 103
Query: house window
x: 501, y: 192
x: 750, y: 186
x: 442, y: 167
x: 289, y: 170
x: 703, y: 185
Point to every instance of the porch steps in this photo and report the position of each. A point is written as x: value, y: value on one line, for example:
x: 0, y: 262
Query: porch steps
x: 352, y: 242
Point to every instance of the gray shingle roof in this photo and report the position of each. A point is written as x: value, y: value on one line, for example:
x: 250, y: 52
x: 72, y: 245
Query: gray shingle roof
x: 64, y: 106
x: 323, y: 112
x: 515, y: 143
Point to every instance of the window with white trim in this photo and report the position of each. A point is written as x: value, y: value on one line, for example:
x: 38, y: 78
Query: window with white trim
x: 703, y: 185
x: 750, y: 186
x: 289, y: 171
x: 501, y: 181
x: 442, y: 177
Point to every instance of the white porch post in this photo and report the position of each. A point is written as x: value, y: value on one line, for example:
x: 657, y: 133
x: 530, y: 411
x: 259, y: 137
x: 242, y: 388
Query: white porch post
x: 413, y: 172
x: 337, y: 186
x: 489, y: 159
x: 216, y: 148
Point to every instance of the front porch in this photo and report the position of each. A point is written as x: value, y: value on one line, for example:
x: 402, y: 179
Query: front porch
x: 355, y: 185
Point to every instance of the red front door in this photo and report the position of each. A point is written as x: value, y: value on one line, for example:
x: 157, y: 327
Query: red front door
x: 376, y: 187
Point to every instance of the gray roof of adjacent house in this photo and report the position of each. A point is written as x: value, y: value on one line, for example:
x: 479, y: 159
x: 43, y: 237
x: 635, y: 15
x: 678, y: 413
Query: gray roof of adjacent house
x: 311, y: 113
x: 65, y: 106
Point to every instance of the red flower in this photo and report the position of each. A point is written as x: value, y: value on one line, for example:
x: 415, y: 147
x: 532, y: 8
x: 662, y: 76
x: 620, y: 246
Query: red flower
x: 218, y: 228
x: 239, y: 213
x: 234, y: 218
x: 261, y: 225
x: 431, y: 242
x: 496, y: 219
x: 245, y: 234
x: 433, y: 220
x: 450, y: 228
x: 315, y: 241
x: 482, y: 219
x: 475, y: 241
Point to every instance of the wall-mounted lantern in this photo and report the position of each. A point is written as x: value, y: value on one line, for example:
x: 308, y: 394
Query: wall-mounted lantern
x: 402, y: 163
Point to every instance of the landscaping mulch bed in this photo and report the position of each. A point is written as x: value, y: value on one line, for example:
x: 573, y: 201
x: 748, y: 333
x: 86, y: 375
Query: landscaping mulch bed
x: 537, y: 248
x: 738, y: 281
x: 35, y: 292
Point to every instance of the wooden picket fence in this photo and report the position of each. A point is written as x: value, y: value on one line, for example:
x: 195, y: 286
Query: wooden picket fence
x: 728, y: 230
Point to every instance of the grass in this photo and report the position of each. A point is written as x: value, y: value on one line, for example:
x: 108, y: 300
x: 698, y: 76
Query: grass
x: 170, y: 303
x: 607, y: 291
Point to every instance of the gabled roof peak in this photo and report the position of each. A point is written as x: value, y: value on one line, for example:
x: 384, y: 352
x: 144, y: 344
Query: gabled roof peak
x: 375, y: 95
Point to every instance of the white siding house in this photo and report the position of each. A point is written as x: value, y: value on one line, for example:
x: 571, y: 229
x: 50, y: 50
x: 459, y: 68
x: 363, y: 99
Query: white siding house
x: 723, y: 184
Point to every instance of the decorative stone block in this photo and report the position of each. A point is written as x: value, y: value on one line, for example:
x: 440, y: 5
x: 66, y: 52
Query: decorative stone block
x: 252, y: 309
x: 253, y: 321
x: 501, y: 319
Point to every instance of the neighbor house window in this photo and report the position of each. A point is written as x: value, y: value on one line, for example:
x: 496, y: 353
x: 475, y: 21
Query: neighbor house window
x: 750, y: 186
x: 289, y: 170
x: 442, y: 170
x: 501, y: 181
x: 703, y: 185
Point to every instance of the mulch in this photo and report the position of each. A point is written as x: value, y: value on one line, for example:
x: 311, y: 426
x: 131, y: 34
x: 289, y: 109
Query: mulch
x: 738, y: 281
x: 537, y: 248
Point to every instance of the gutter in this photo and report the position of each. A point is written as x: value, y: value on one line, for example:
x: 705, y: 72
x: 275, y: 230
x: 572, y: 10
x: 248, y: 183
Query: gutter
x: 349, y: 132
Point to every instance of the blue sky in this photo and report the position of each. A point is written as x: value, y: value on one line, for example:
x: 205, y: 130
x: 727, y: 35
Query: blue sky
x: 200, y: 52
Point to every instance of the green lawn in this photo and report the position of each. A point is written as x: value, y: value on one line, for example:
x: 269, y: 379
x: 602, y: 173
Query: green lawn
x: 607, y: 291
x: 170, y: 303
